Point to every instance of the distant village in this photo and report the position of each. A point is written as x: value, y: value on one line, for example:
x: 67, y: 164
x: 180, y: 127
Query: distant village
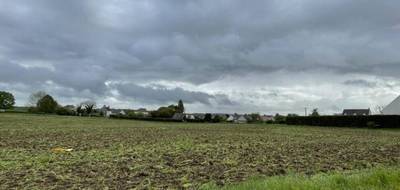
x: 108, y: 112
x: 391, y: 109
x: 41, y: 102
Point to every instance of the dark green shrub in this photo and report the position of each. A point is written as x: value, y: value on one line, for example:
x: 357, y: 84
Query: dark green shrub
x: 371, y: 124
x: 7, y: 100
x: 217, y: 119
x: 47, y: 105
x: 33, y: 110
x: 382, y: 121
x: 64, y: 111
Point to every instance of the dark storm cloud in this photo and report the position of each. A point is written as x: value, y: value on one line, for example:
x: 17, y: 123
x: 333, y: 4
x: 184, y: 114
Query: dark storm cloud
x: 161, y: 95
x: 80, y: 45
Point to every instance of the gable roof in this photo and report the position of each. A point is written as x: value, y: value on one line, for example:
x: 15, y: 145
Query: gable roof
x: 393, y: 108
x: 356, y: 111
x: 178, y: 116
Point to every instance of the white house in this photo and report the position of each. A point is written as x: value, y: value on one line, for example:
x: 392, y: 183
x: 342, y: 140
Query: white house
x: 240, y: 119
x: 231, y: 118
x: 393, y: 108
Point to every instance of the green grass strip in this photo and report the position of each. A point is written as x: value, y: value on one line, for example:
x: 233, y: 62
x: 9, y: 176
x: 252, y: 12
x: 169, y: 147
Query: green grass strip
x: 371, y: 179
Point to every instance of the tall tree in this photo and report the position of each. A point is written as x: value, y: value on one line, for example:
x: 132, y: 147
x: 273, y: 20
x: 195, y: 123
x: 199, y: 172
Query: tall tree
x: 181, y: 107
x: 47, y: 104
x: 35, y: 97
x: 7, y: 100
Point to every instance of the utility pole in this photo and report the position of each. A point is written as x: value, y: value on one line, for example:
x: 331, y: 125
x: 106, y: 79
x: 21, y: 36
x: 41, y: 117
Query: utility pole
x: 305, y: 111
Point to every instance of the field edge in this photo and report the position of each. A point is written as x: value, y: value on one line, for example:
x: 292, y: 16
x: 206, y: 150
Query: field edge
x: 378, y: 178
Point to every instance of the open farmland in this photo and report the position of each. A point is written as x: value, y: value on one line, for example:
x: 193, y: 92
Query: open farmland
x: 122, y: 154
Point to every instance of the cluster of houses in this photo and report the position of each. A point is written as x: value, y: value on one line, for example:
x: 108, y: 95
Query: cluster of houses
x: 106, y: 111
x: 392, y: 109
x: 234, y: 118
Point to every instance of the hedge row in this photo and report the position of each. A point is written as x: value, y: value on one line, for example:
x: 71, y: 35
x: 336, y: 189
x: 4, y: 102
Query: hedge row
x: 144, y: 118
x: 378, y: 121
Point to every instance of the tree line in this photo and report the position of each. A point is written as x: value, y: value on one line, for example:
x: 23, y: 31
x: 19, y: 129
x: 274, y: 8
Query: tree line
x: 41, y: 102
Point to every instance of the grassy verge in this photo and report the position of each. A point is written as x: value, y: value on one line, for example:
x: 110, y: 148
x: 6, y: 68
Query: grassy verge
x: 377, y: 178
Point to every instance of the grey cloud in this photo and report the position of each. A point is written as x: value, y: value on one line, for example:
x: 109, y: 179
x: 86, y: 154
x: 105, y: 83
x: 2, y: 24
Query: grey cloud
x: 198, y: 42
x: 360, y: 82
x: 158, y: 94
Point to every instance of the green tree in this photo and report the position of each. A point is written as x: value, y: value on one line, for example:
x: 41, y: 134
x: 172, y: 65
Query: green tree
x: 47, y: 104
x: 218, y: 119
x: 208, y: 117
x: 181, y: 107
x: 79, y: 110
x: 315, y: 112
x: 255, y: 117
x: 164, y: 112
x: 89, y: 106
x: 7, y: 100
x: 292, y: 115
x: 280, y: 119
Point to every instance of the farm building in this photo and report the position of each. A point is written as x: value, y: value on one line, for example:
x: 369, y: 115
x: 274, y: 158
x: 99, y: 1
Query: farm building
x: 349, y: 112
x: 393, y: 108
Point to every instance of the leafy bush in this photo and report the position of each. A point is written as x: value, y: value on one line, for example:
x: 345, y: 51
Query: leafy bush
x: 33, y: 110
x: 7, y: 100
x: 208, y: 117
x: 164, y: 112
x: 47, y: 104
x: 218, y: 119
x: 64, y: 111
x: 280, y: 119
x: 381, y: 121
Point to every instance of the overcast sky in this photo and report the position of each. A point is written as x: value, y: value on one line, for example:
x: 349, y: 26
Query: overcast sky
x: 264, y: 56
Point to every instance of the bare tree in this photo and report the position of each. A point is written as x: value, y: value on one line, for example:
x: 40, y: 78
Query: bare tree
x: 35, y: 97
x: 378, y: 109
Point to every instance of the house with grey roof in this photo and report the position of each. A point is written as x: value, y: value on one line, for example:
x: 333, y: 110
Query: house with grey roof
x: 358, y: 112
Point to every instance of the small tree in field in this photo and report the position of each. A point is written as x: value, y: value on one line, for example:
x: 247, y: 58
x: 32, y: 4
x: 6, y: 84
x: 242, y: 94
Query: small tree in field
x: 315, y: 112
x: 7, y: 100
x: 47, y: 104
